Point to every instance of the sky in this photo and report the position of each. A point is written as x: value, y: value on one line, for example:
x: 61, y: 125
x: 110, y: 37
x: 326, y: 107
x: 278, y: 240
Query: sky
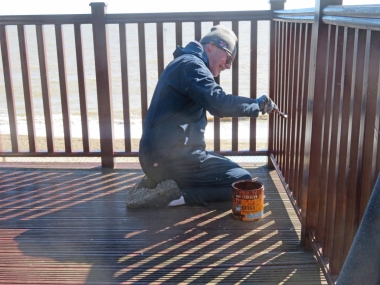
x: 35, y: 7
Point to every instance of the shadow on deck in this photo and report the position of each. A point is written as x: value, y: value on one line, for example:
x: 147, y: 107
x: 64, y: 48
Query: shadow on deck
x: 64, y: 226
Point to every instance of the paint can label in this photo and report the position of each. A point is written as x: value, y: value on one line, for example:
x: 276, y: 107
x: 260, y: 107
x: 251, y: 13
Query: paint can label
x: 248, y: 205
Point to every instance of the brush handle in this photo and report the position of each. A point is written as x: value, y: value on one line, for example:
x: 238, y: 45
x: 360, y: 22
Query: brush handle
x: 285, y: 116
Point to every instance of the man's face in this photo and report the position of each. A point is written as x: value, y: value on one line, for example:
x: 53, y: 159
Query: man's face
x: 219, y: 59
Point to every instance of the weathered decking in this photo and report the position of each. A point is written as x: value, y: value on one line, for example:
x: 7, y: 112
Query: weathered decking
x: 72, y: 227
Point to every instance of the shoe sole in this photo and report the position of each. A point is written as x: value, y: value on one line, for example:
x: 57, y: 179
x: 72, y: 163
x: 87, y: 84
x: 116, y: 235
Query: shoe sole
x: 159, y: 197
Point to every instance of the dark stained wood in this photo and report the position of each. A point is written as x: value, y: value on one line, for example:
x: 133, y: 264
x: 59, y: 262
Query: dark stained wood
x: 281, y: 99
x: 352, y: 45
x: 298, y: 110
x: 197, y: 30
x: 217, y: 119
x: 178, y: 33
x: 274, y: 78
x: 365, y: 11
x: 235, y: 91
x: 45, y: 88
x: 324, y: 188
x: 73, y: 225
x: 7, y: 71
x: 253, y: 84
x: 343, y: 155
x: 125, y: 87
x: 317, y: 44
x: 370, y: 24
x: 103, y: 84
x: 45, y: 19
x: 82, y: 87
x: 276, y: 132
x: 293, y: 106
x: 25, y: 70
x: 370, y: 82
x: 373, y: 101
x: 319, y: 106
x: 273, y: 47
x: 183, y: 17
x: 305, y: 86
x: 334, y: 151
x: 353, y: 199
x: 160, y: 48
x: 288, y: 93
x: 143, y: 71
x: 63, y: 87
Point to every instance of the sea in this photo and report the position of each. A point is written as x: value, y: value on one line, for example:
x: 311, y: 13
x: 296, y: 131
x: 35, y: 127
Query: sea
x: 244, y: 50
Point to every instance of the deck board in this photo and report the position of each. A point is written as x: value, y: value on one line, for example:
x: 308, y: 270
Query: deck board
x: 71, y: 226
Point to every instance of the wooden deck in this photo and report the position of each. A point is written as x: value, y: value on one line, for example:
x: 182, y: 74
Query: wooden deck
x: 71, y: 226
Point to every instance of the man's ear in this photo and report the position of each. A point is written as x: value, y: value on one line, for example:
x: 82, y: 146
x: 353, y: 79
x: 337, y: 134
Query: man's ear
x: 210, y: 47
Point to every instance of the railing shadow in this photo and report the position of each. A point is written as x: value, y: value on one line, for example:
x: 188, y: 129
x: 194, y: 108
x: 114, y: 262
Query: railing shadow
x: 74, y: 226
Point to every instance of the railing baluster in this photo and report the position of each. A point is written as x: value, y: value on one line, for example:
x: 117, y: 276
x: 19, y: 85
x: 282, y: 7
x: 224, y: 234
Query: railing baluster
x: 235, y: 90
x: 293, y: 103
x: 44, y: 75
x: 373, y: 98
x: 216, y: 119
x: 282, y: 92
x: 82, y: 87
x: 342, y: 154
x: 103, y: 83
x: 298, y: 111
x: 318, y: 82
x: 63, y: 87
x: 9, y: 88
x: 29, y: 110
x: 143, y: 75
x: 197, y: 30
x: 334, y: 150
x: 370, y: 77
x: 253, y: 84
x: 304, y: 101
x: 178, y: 33
x: 160, y: 48
x: 352, y: 38
x: 287, y: 96
x: 125, y: 87
x: 325, y: 159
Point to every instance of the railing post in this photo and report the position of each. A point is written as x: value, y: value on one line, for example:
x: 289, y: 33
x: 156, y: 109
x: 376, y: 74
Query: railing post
x: 315, y: 105
x: 103, y: 83
x: 275, y: 5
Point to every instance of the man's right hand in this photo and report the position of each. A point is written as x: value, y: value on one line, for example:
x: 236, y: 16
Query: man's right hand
x: 266, y: 105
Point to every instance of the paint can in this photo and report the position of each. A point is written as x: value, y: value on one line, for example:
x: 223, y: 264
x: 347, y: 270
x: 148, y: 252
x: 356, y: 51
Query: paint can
x: 247, y: 200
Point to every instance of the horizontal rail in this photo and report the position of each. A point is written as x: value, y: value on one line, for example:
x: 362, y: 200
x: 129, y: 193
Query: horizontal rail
x: 136, y: 18
x: 359, y: 17
x: 45, y: 19
x: 367, y: 11
x: 187, y: 17
x: 295, y: 15
x: 358, y: 23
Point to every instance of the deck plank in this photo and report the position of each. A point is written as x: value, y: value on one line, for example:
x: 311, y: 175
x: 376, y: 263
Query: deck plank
x: 71, y: 226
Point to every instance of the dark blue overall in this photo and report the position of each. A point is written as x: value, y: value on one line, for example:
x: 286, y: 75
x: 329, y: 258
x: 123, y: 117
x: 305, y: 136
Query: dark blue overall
x: 173, y: 145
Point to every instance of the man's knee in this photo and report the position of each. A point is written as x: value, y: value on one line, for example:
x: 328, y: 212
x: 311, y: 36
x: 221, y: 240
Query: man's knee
x: 240, y: 174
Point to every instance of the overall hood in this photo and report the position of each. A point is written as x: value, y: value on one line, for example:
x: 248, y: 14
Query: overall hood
x: 194, y: 48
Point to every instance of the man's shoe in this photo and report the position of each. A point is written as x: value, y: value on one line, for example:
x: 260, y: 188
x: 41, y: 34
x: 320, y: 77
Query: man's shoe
x: 158, y: 197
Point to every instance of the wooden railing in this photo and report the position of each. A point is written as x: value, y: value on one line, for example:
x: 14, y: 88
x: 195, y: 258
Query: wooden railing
x: 327, y: 79
x: 324, y: 73
x: 101, y: 23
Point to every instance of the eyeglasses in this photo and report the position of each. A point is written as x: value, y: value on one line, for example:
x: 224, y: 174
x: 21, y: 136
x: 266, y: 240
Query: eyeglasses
x: 229, y: 59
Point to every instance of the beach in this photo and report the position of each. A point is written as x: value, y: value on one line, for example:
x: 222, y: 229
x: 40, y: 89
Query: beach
x: 77, y: 145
